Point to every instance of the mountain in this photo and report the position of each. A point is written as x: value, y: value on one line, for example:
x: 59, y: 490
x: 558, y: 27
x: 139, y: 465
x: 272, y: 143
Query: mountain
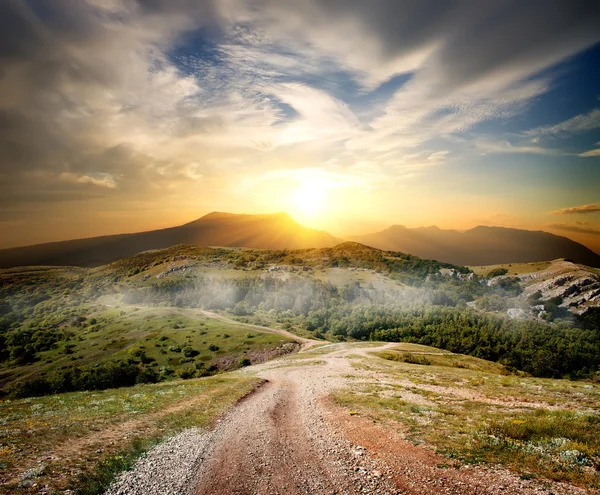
x: 275, y: 231
x: 480, y: 246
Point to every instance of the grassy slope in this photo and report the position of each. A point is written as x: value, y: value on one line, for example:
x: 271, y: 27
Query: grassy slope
x: 159, y: 332
x: 513, y: 268
x: 472, y: 412
x: 81, y: 439
x: 83, y: 304
x: 467, y: 408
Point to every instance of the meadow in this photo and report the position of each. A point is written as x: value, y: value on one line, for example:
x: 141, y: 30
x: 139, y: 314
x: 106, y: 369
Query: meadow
x: 472, y: 411
x: 79, y: 441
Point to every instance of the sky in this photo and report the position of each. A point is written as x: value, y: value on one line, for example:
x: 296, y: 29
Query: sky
x: 351, y: 116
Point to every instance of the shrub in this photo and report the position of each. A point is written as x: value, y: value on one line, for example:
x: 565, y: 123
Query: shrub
x: 405, y: 357
x: 186, y: 373
x: 213, y: 348
x: 147, y: 375
x: 136, y: 352
x: 190, y: 352
x: 497, y: 272
x: 69, y: 348
x: 72, y: 379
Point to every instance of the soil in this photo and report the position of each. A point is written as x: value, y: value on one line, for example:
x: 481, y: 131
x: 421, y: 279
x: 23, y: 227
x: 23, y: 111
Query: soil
x: 290, y: 438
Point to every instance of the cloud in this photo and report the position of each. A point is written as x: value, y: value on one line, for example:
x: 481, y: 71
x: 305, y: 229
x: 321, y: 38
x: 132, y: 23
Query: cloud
x: 453, y: 45
x: 492, y: 146
x: 135, y: 103
x: 574, y: 228
x: 578, y: 209
x: 587, y: 154
x: 580, y: 123
x: 100, y: 180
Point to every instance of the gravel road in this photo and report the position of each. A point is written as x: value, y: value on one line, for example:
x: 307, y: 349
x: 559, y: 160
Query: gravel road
x: 280, y: 440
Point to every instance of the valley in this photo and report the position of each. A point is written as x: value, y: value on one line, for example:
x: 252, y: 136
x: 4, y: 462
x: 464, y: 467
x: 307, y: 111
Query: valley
x: 365, y: 371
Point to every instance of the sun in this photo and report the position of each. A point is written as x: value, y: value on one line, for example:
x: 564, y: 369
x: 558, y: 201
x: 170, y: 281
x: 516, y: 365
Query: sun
x: 310, y: 197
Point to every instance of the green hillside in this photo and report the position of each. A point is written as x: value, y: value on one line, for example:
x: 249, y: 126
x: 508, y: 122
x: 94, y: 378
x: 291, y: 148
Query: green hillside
x: 143, y: 319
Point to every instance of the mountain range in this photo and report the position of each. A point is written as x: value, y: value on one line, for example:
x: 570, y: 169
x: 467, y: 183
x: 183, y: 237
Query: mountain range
x: 274, y: 231
x: 478, y: 246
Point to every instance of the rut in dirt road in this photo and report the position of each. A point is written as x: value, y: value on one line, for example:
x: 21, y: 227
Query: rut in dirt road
x: 279, y: 442
x: 274, y: 455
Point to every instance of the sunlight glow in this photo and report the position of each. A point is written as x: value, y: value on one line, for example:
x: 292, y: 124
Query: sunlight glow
x: 310, y: 197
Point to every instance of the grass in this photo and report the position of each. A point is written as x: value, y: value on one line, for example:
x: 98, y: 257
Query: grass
x: 84, y: 438
x: 513, y: 268
x: 163, y: 334
x: 436, y: 357
x: 561, y: 445
x: 476, y: 413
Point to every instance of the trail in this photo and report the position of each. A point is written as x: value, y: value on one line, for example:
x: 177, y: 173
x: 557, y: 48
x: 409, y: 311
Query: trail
x: 194, y: 314
x: 306, y: 343
x: 288, y: 438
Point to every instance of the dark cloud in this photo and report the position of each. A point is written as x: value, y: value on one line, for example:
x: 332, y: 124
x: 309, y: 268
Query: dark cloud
x: 517, y: 36
x: 578, y: 210
x: 470, y: 39
x: 70, y: 72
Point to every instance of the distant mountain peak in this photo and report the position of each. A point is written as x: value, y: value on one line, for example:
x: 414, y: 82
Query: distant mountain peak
x: 481, y: 245
x: 217, y: 214
x: 263, y: 231
x: 224, y: 216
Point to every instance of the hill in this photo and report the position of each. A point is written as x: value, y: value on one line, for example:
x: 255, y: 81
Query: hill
x: 480, y: 245
x: 276, y: 231
x: 152, y: 316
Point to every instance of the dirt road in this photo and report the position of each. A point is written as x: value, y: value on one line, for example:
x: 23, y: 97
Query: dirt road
x: 278, y: 441
x: 287, y: 438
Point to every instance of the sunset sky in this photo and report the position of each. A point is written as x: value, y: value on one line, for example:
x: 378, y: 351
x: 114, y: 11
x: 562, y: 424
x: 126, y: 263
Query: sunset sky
x: 350, y: 115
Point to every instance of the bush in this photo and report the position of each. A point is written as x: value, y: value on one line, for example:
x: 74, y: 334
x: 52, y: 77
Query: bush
x: 189, y: 352
x: 23, y: 354
x: 245, y: 362
x: 511, y: 286
x: 213, y: 348
x: 73, y: 379
x: 147, y: 375
x: 405, y: 357
x: 186, y: 373
x: 136, y: 352
x: 497, y: 272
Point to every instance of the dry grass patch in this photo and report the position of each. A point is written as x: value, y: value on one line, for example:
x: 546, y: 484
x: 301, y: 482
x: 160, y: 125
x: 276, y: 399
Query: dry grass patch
x: 59, y: 441
x: 474, y: 414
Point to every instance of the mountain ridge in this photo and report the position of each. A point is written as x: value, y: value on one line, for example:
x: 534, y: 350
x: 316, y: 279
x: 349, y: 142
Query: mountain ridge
x: 481, y: 245
x: 265, y: 231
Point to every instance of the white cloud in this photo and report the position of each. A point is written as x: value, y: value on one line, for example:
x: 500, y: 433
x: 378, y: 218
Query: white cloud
x: 103, y: 90
x: 579, y: 123
x: 493, y: 146
x: 595, y: 152
x: 100, y: 180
